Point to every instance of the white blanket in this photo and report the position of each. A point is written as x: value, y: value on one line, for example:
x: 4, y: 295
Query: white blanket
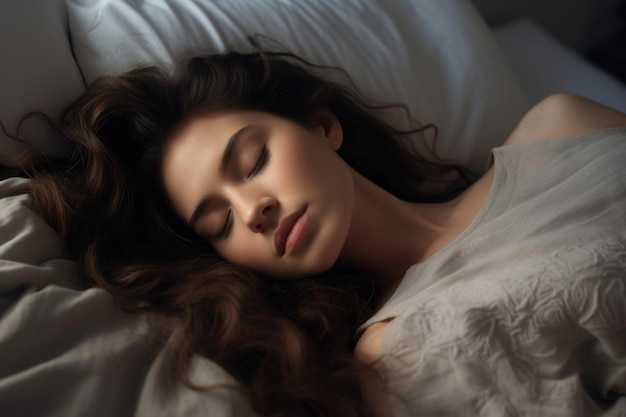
x: 70, y: 352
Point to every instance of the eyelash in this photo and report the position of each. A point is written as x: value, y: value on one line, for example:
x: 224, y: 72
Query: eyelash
x: 224, y: 232
x: 259, y: 164
x: 255, y: 170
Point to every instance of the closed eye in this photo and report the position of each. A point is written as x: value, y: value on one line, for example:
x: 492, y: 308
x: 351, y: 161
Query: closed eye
x: 260, y: 163
x: 223, y: 233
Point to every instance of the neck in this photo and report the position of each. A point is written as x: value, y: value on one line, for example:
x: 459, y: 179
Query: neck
x: 388, y: 235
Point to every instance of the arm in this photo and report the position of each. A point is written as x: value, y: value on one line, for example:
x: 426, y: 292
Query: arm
x: 563, y: 115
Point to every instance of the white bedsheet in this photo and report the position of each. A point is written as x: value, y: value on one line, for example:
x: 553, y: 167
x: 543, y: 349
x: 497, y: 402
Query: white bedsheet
x: 70, y: 352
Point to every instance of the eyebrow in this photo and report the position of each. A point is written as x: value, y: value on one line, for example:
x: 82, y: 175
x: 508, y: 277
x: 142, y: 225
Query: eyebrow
x: 227, y: 157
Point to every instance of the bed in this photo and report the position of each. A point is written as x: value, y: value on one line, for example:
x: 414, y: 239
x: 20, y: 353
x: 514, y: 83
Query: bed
x: 67, y: 350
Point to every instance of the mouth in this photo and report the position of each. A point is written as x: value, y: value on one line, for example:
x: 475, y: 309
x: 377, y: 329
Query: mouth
x: 290, y: 231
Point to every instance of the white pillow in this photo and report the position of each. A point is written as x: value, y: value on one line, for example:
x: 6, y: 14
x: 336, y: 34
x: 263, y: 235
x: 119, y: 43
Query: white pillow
x: 438, y: 57
x: 38, y: 70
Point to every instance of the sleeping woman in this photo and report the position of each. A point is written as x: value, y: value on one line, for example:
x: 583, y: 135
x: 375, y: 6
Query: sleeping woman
x: 282, y: 229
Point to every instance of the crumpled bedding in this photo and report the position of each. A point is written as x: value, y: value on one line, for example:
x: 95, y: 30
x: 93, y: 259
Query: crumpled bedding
x: 68, y: 351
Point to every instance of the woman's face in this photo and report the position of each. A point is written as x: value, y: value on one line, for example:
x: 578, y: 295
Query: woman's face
x: 266, y: 192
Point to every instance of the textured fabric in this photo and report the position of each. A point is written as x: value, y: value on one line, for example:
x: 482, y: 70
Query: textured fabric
x: 524, y: 314
x: 69, y: 352
x: 474, y: 104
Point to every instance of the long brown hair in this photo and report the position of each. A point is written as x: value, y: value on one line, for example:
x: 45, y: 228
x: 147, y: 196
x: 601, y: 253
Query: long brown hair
x: 288, y: 343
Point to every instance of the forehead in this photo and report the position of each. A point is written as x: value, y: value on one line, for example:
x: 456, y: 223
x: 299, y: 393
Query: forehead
x: 209, y: 128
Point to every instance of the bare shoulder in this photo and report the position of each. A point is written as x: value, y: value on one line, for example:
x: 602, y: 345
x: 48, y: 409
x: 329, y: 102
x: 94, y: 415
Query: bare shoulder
x: 367, y: 349
x: 564, y: 115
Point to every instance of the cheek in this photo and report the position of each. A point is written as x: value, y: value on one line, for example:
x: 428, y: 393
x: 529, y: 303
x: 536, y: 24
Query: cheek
x: 326, y: 182
x: 250, y: 251
x: 246, y: 251
x: 311, y: 167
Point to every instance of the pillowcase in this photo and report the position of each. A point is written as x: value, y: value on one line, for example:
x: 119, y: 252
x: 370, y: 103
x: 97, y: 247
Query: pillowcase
x: 438, y: 57
x: 38, y: 71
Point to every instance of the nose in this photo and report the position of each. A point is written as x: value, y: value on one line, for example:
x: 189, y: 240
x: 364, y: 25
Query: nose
x: 256, y: 211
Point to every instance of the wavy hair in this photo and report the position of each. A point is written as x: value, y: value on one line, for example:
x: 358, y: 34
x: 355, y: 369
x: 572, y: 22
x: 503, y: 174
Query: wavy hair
x: 288, y: 343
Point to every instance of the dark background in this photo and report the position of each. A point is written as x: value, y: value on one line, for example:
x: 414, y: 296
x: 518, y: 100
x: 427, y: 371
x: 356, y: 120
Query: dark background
x: 595, y: 29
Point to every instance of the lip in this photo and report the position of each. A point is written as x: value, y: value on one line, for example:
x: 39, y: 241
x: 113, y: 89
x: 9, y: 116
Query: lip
x: 289, y: 231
